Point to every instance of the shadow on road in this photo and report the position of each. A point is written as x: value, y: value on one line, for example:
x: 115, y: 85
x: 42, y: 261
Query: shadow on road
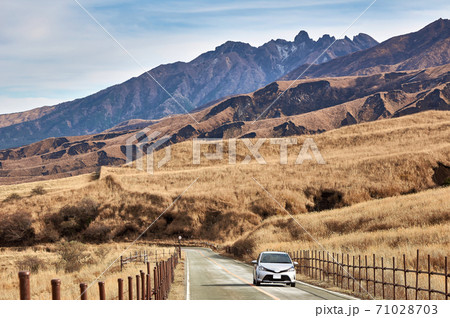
x: 227, y: 285
x: 242, y: 285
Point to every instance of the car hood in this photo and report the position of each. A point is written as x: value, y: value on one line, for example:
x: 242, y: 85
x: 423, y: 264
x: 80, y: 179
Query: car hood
x: 277, y: 268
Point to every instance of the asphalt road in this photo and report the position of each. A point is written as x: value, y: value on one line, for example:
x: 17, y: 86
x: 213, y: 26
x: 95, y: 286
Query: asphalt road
x: 213, y: 276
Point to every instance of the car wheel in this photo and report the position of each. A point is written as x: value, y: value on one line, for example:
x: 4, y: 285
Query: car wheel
x: 293, y: 284
x: 258, y: 283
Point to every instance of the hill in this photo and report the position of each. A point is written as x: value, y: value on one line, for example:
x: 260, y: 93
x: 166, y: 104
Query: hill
x: 365, y: 163
x: 307, y: 106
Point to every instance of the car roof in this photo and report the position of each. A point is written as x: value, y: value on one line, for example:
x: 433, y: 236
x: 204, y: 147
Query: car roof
x: 273, y: 252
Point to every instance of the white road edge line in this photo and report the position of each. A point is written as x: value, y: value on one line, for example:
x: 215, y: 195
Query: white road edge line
x: 188, y: 295
x: 328, y: 291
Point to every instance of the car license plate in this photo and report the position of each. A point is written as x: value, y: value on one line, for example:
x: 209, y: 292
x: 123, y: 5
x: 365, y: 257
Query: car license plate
x: 276, y: 276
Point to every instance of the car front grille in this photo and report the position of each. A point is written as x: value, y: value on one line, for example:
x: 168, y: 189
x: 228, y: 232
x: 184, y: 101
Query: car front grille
x: 282, y: 279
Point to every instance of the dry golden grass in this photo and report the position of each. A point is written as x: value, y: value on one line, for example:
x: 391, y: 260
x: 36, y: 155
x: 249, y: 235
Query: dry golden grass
x: 366, y: 163
x: 101, y: 257
x: 178, y: 288
x: 387, y: 227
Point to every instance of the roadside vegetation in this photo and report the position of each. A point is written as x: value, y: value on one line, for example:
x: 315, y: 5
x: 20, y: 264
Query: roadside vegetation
x: 74, y: 263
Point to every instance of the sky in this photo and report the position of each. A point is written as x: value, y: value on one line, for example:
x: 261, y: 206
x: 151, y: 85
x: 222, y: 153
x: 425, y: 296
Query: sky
x: 53, y: 51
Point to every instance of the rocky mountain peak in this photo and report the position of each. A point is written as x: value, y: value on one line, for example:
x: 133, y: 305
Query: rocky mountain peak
x: 301, y: 37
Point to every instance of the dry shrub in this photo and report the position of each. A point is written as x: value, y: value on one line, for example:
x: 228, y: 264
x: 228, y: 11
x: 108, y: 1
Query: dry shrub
x: 39, y: 190
x: 95, y: 176
x: 264, y: 208
x: 12, y: 197
x: 73, y: 256
x: 73, y: 219
x: 127, y: 230
x: 324, y: 199
x: 31, y: 263
x: 17, y: 229
x: 112, y: 184
x: 243, y: 247
x: 98, y: 232
x: 102, y: 251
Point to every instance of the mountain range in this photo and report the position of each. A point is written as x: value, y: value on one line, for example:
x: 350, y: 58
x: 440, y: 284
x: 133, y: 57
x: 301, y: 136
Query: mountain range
x: 282, y: 108
x: 232, y: 68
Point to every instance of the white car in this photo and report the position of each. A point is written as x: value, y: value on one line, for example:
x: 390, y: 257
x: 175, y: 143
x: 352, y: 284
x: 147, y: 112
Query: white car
x: 274, y: 267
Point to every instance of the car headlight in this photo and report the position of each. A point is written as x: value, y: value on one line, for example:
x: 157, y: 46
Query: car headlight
x: 262, y: 268
x: 292, y: 269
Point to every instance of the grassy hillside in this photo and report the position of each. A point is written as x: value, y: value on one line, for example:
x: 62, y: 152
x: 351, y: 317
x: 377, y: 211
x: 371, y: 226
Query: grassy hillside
x: 365, y: 162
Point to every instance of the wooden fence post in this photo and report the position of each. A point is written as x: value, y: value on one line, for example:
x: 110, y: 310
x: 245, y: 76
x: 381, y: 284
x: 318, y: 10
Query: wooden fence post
x: 149, y: 287
x: 120, y: 287
x: 353, y: 269
x: 143, y: 285
x: 339, y: 269
x: 405, y: 276
x: 429, y: 278
x: 24, y: 284
x: 393, y: 274
x: 334, y: 280
x: 83, y: 291
x: 367, y: 274
x: 56, y: 289
x: 417, y: 275
x: 319, y: 267
x: 101, y: 289
x: 446, y: 278
x: 328, y: 266
x: 155, y: 278
x: 359, y: 267
x: 382, y: 275
x: 348, y: 271
x: 374, y: 276
x: 138, y: 289
x: 130, y: 288
x: 342, y: 271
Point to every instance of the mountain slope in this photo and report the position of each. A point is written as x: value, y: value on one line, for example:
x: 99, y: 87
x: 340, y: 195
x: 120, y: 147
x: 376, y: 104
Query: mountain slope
x: 427, y: 47
x: 231, y: 68
x: 310, y: 106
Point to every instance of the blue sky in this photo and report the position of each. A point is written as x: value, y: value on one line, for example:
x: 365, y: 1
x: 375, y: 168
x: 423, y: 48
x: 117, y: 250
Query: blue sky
x: 51, y: 51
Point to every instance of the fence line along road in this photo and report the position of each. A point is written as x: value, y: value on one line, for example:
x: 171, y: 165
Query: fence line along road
x: 163, y: 277
x: 394, y: 281
x: 355, y: 273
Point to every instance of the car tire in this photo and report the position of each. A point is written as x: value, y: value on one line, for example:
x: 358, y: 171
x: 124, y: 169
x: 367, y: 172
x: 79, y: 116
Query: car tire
x: 257, y: 283
x: 293, y: 284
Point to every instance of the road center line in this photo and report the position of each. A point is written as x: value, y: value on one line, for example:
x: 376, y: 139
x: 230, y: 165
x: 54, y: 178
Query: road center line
x: 240, y: 278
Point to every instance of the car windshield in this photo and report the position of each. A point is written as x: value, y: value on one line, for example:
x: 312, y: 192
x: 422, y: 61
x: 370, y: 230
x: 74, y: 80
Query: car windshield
x: 275, y: 258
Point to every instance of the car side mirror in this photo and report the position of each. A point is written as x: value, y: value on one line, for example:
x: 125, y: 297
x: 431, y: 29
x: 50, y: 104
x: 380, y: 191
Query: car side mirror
x: 254, y: 262
x: 295, y: 263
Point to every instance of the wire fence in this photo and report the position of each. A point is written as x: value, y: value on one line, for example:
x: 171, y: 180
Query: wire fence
x: 138, y: 287
x: 379, y: 277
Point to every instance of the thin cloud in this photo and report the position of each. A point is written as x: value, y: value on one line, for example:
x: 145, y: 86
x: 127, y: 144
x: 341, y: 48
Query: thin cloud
x: 50, y: 49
